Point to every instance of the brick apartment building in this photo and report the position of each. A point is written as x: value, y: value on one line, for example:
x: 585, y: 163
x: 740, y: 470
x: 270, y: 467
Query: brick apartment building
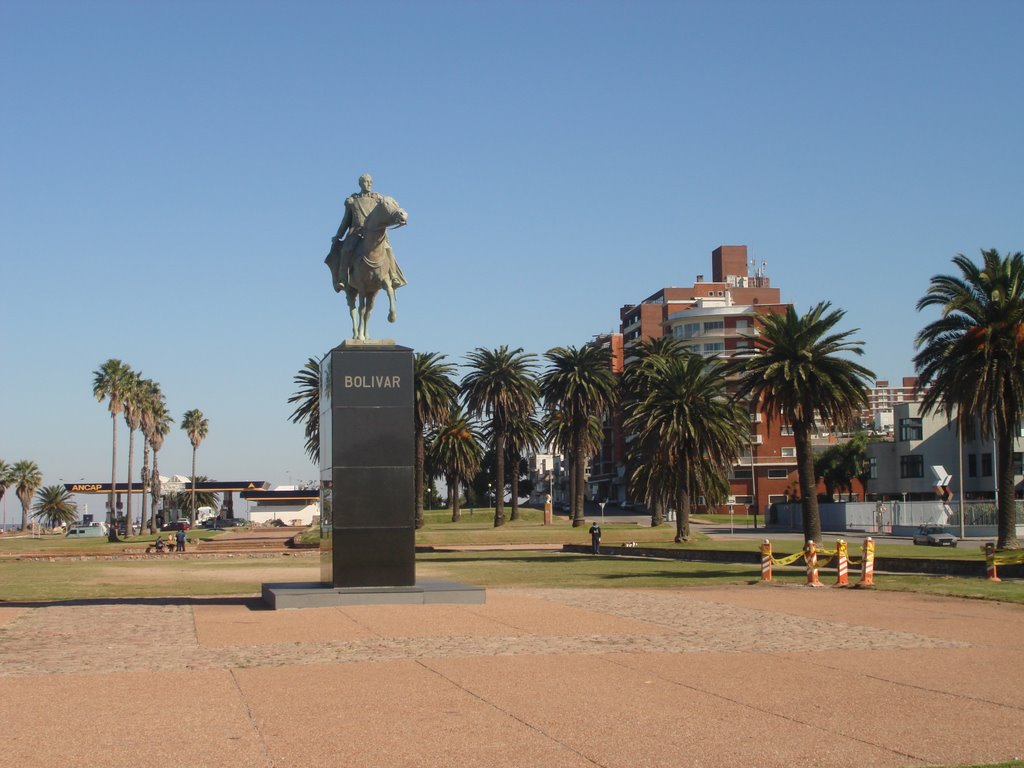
x: 712, y: 318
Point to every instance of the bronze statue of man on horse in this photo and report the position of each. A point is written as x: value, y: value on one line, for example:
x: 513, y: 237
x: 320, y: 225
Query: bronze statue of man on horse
x: 361, y: 260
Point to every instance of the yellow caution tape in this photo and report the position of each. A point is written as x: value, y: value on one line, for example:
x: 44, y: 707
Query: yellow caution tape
x: 788, y: 560
x: 1009, y: 557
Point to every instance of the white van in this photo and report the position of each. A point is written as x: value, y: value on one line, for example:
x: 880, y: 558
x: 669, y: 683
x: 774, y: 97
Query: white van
x: 86, y: 531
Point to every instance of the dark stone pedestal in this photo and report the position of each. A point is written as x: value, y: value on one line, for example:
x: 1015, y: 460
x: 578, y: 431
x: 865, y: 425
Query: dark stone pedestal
x: 367, y: 454
x: 367, y: 450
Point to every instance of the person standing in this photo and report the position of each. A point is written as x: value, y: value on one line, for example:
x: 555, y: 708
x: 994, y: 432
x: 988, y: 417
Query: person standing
x: 179, y: 538
x: 595, y: 539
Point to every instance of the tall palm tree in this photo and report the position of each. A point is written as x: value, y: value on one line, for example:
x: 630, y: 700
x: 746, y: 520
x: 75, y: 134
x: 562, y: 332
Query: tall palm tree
x: 579, y: 384
x: 500, y: 387
x: 196, y: 427
x: 525, y: 434
x: 435, y: 395
x: 5, y: 478
x: 796, y: 369
x: 456, y: 453
x: 26, y: 478
x: 108, y: 383
x: 162, y: 421
x: 132, y: 400
x: 972, y: 358
x: 154, y: 412
x: 307, y: 410
x: 688, y: 432
x: 650, y: 477
x: 55, y: 505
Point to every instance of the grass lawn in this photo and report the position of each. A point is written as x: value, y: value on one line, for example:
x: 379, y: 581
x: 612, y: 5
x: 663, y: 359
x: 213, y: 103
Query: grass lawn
x: 85, y: 579
x: 59, y: 543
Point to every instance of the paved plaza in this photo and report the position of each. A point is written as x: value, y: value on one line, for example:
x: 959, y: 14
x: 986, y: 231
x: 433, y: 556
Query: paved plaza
x: 743, y: 676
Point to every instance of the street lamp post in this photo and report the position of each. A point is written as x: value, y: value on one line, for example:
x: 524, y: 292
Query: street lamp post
x: 601, y: 505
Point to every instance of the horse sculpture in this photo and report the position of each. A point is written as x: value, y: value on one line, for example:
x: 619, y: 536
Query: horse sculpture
x: 371, y: 265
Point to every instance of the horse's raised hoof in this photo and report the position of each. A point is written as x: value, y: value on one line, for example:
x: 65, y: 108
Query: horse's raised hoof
x: 392, y: 316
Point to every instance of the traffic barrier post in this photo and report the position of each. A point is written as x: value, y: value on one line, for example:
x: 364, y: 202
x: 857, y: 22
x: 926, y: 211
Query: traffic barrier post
x: 766, y: 560
x: 842, y: 579
x: 867, y: 573
x: 811, y: 558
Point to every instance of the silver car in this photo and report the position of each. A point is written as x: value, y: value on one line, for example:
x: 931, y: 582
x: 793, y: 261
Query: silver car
x: 934, y: 536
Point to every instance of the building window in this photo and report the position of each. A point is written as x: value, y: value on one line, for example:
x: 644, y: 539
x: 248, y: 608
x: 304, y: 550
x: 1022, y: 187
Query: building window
x: 986, y: 465
x: 714, y: 347
x: 789, y: 453
x: 786, y: 430
x: 690, y: 330
x: 1018, y: 463
x: 741, y: 473
x: 910, y: 429
x: 872, y: 468
x: 972, y: 465
x: 714, y: 325
x: 744, y: 499
x: 778, y: 474
x: 911, y: 466
x: 776, y: 498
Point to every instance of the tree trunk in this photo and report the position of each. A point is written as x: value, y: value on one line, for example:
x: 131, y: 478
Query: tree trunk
x: 145, y: 485
x: 1007, y: 510
x: 499, y: 478
x: 579, y: 471
x: 421, y: 453
x: 26, y: 503
x: 112, y: 512
x: 453, y: 497
x: 192, y: 514
x: 683, y: 513
x: 128, y: 505
x: 657, y: 512
x: 155, y: 500
x: 805, y: 470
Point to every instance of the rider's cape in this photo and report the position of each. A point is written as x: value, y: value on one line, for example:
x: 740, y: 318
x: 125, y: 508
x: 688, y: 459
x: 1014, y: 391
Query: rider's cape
x: 333, y: 262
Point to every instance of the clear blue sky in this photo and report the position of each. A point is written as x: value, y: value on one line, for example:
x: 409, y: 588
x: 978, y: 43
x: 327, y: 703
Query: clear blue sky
x: 172, y: 173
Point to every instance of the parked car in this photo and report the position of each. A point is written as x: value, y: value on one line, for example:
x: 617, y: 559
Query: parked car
x: 217, y: 523
x: 934, y: 536
x: 177, y: 525
x: 627, y: 505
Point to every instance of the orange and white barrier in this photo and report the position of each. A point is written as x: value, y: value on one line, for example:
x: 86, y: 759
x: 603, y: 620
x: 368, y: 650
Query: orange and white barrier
x: 766, y: 560
x: 867, y: 574
x: 811, y: 558
x: 842, y: 578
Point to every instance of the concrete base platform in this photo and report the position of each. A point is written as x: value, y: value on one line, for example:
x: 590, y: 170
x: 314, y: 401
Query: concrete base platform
x: 320, y: 595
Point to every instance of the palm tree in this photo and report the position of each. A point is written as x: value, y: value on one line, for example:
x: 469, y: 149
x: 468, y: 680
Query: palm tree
x: 26, y: 478
x: 501, y: 387
x: 190, y: 501
x: 161, y: 428
x: 308, y: 409
x: 108, y: 383
x: 5, y: 478
x: 55, y: 505
x: 525, y: 434
x: 132, y: 400
x: 154, y: 417
x: 559, y: 435
x: 687, y: 431
x: 795, y: 369
x: 972, y: 360
x: 579, y: 385
x: 435, y: 394
x: 455, y: 452
x: 196, y: 427
x: 649, y: 476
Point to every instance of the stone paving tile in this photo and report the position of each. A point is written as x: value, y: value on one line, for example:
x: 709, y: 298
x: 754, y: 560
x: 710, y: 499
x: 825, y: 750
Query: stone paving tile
x: 136, y: 636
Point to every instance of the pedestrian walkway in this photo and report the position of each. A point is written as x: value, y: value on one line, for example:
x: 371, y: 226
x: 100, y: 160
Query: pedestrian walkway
x: 753, y: 675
